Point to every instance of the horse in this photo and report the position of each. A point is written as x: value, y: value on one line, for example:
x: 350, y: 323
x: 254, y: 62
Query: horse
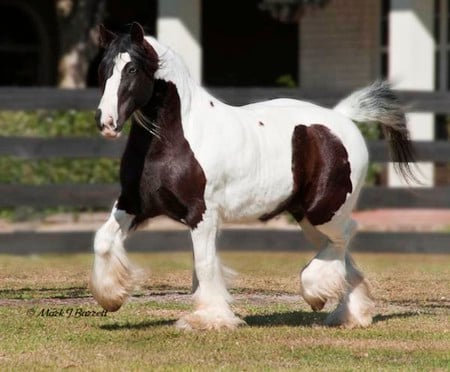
x: 202, y: 162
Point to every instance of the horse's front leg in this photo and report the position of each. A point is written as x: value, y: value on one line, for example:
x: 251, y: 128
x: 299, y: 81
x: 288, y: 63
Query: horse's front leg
x: 211, y: 296
x: 113, y: 277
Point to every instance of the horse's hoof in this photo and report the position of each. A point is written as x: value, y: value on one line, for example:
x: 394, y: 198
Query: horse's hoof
x: 321, y: 281
x: 347, y: 321
x: 316, y: 305
x: 207, y: 320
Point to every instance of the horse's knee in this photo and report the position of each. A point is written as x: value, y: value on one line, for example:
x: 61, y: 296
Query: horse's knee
x: 339, y: 232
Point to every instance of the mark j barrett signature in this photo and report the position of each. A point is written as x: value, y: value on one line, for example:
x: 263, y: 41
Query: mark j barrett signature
x: 70, y: 312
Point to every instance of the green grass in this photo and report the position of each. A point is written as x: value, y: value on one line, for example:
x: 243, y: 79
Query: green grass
x: 410, y: 332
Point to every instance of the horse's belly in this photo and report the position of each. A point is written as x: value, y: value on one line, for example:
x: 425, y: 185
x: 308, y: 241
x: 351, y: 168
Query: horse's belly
x: 242, y: 203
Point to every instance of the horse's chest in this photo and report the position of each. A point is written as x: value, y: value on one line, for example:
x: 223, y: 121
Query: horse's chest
x: 170, y: 183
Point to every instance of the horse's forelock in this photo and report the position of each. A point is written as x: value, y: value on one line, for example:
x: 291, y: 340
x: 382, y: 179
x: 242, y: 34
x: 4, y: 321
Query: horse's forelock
x: 143, y: 55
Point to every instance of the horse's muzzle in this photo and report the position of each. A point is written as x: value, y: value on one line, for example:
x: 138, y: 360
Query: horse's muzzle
x: 107, y: 128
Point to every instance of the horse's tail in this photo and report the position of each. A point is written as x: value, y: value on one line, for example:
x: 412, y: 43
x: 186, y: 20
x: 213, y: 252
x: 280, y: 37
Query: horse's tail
x: 377, y: 103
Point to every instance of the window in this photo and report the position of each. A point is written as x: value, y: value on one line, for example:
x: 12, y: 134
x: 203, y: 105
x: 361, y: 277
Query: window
x: 118, y: 16
x: 442, y: 79
x: 245, y: 46
x: 384, y: 39
x: 25, y: 46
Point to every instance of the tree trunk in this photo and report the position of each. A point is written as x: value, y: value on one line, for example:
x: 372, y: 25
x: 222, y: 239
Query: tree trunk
x: 77, y: 20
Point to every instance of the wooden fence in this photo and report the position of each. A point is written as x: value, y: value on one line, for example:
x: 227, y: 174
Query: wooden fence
x: 102, y: 195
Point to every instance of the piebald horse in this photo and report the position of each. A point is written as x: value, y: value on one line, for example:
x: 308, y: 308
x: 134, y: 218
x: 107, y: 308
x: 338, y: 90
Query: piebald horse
x: 201, y: 162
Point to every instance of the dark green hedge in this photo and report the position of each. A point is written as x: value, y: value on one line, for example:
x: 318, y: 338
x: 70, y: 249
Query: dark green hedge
x: 38, y: 172
x: 44, y: 123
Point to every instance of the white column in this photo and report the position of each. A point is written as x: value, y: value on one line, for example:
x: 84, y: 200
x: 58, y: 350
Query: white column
x: 179, y: 26
x: 411, y: 67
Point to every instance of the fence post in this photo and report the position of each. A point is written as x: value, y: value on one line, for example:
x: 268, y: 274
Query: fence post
x: 412, y: 67
x: 178, y: 25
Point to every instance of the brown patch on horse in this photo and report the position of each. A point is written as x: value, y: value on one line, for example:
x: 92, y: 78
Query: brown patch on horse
x: 321, y: 172
x: 160, y: 176
x: 211, y: 103
x: 261, y: 123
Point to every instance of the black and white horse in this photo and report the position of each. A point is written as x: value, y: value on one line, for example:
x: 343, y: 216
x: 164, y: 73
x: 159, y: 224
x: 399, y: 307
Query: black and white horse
x: 201, y: 162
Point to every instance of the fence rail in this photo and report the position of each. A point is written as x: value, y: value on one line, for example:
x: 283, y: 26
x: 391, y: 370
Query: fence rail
x: 103, y: 195
x: 98, y: 195
x: 34, y: 98
x: 87, y: 147
x: 229, y: 240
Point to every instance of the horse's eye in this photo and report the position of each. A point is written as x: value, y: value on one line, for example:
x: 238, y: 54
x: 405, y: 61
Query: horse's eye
x: 132, y: 70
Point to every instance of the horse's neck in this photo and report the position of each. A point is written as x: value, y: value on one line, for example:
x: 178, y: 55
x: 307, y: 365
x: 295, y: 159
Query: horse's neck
x: 173, y: 69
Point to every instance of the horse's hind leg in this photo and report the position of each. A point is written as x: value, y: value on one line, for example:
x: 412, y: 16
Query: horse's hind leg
x: 309, y: 289
x: 355, y: 308
x: 113, y: 276
x: 323, y: 278
x: 331, y: 275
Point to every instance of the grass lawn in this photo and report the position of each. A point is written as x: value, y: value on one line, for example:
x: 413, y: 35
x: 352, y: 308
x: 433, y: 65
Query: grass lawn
x: 410, y: 332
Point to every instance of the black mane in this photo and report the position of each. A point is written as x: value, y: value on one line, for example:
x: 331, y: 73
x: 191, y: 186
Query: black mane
x: 142, y: 55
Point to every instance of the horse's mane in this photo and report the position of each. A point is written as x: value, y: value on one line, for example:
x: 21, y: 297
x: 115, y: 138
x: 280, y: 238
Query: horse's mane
x: 171, y: 65
x: 144, y: 56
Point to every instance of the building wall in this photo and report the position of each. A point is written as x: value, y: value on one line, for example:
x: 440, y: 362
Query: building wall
x: 339, y: 45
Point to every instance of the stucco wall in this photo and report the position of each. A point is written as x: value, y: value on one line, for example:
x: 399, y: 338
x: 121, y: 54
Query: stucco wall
x: 339, y: 45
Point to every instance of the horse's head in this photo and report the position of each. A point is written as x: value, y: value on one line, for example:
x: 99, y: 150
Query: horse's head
x: 126, y: 76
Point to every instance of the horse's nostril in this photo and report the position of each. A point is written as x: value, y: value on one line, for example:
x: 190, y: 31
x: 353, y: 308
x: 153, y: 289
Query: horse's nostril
x: 109, y: 122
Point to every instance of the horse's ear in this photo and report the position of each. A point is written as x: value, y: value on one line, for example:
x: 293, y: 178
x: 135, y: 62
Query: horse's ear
x: 105, y: 36
x: 136, y: 33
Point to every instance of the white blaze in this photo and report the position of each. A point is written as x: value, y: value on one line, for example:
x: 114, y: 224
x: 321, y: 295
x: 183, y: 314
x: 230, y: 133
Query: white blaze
x: 109, y: 102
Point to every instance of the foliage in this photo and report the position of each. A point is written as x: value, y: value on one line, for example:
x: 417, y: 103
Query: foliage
x: 45, y: 123
x: 371, y: 132
x: 51, y: 171
x: 286, y: 81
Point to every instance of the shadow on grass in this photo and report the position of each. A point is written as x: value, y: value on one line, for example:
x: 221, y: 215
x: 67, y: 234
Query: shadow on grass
x: 140, y: 325
x: 431, y: 303
x: 309, y: 319
x: 382, y: 318
x: 50, y: 293
x: 291, y: 318
x: 42, y: 289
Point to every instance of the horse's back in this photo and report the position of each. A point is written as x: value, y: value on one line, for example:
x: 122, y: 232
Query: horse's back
x: 279, y: 102
x: 286, y: 114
